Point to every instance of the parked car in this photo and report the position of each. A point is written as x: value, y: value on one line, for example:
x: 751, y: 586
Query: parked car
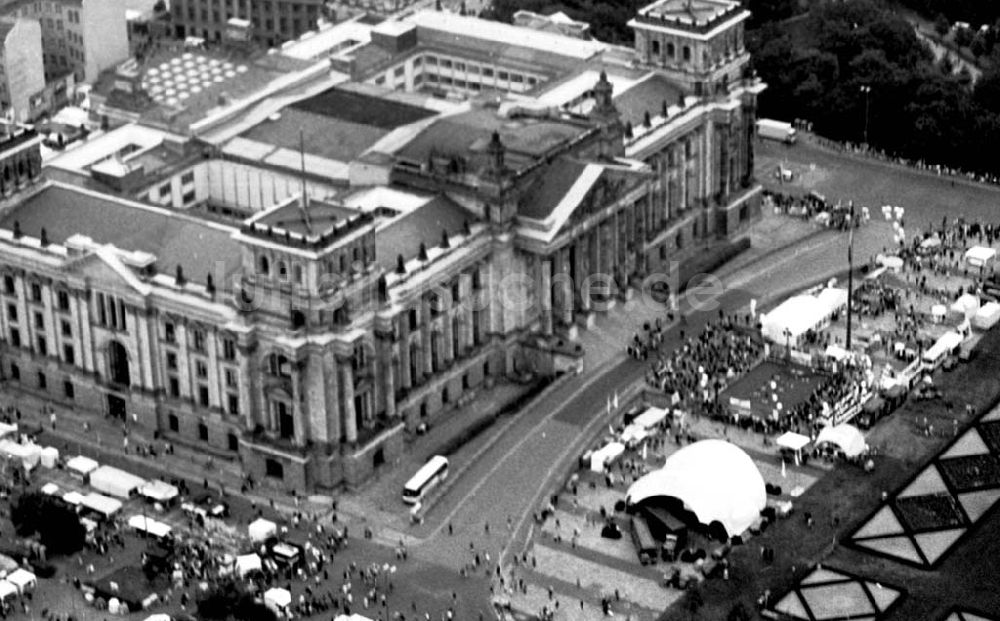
x: 927, y: 392
x: 950, y: 363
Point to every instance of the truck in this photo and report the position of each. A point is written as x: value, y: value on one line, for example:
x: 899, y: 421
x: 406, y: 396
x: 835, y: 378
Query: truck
x: 776, y: 130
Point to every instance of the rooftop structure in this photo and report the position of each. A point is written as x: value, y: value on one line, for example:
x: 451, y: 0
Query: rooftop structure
x: 690, y: 15
x: 558, y: 23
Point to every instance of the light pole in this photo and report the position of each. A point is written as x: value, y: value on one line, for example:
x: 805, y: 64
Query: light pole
x: 850, y: 275
x: 867, y: 91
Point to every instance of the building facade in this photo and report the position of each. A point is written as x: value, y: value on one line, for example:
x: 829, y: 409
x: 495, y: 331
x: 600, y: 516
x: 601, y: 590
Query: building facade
x: 22, y: 74
x: 84, y: 37
x: 273, y: 21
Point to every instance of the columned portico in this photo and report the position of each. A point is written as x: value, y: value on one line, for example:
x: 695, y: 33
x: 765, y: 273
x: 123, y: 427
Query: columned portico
x: 350, y: 418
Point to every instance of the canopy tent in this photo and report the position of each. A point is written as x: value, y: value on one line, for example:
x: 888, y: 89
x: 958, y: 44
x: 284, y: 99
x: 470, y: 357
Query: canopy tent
x: 7, y: 565
x: 7, y: 429
x: 160, y: 616
x: 836, y: 352
x: 352, y: 617
x: 802, y: 313
x: 938, y: 312
x: 149, y: 526
x: 50, y: 489
x: 987, y: 316
x: 116, y: 482
x: 979, y: 256
x: 650, y: 418
x: 260, y: 529
x: 947, y: 343
x: 81, y: 466
x: 101, y: 504
x: 277, y: 600
x: 247, y: 563
x: 632, y: 435
x: 890, y: 262
x: 159, y: 491
x: 50, y: 457
x: 29, y: 454
x: 605, y: 455
x: 73, y: 498
x: 715, y: 480
x: 7, y: 590
x: 847, y: 438
x: 967, y: 304
x: 22, y: 579
x: 792, y: 441
x: 931, y: 243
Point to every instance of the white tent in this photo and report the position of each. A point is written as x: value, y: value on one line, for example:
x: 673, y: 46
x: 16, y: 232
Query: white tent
x: 7, y: 590
x: 979, y: 256
x: 836, y: 352
x: 247, y: 563
x: 7, y: 430
x: 792, y: 441
x: 260, y: 529
x: 833, y: 299
x: 650, y: 418
x: 278, y: 600
x: 352, y: 617
x: 23, y: 580
x: 845, y: 437
x: 947, y: 343
x: 50, y: 489
x: 101, y: 504
x: 605, y: 455
x: 81, y: 466
x: 987, y: 316
x: 115, y: 482
x: 793, y: 318
x: 938, y: 311
x: 716, y: 480
x: 73, y: 498
x: 967, y: 304
x: 29, y: 454
x: 160, y: 616
x: 931, y: 243
x: 632, y: 435
x: 149, y: 526
x: 159, y: 491
x: 893, y: 263
x: 50, y: 457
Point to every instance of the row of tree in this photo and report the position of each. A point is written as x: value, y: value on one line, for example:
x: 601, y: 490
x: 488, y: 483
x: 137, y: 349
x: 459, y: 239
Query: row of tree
x: 854, y: 64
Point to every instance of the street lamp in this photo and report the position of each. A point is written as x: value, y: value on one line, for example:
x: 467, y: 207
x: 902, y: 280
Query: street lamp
x: 867, y: 91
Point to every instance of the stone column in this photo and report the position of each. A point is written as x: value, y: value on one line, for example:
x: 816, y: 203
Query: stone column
x: 425, y: 338
x: 404, y: 350
x: 448, y: 346
x: 297, y: 410
x: 545, y: 312
x: 582, y: 272
x: 350, y: 418
x: 245, y: 382
x: 567, y: 300
x: 316, y: 399
x: 390, y: 386
x: 330, y: 389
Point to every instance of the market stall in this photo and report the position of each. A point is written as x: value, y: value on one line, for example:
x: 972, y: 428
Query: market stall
x: 23, y: 580
x: 980, y: 256
x: 50, y: 457
x: 650, y: 418
x: 261, y: 529
x: 967, y: 304
x: 606, y: 455
x: 116, y: 482
x: 101, y: 505
x: 247, y: 563
x: 278, y: 601
x: 159, y: 491
x: 81, y: 467
x: 987, y: 316
x: 149, y: 526
x: 791, y: 445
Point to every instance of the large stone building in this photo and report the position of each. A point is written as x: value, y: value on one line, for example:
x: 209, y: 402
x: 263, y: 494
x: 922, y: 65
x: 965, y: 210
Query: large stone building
x: 273, y: 21
x: 311, y: 331
x: 21, y: 72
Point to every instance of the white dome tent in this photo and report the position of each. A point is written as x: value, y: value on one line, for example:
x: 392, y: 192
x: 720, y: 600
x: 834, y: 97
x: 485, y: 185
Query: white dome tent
x: 715, y: 480
x: 847, y: 438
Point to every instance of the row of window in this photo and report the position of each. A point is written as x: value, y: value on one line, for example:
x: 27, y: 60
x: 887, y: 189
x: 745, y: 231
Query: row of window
x: 198, y: 341
x: 42, y: 381
x: 35, y: 292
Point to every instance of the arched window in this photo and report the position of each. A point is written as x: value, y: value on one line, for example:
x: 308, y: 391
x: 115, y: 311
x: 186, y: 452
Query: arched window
x: 282, y: 270
x: 656, y: 48
x: 279, y: 366
x: 263, y: 266
x: 671, y: 50
x: 687, y: 53
x: 297, y: 273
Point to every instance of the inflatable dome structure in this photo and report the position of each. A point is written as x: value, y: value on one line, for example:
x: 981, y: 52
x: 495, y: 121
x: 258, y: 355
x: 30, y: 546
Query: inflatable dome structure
x: 714, y: 481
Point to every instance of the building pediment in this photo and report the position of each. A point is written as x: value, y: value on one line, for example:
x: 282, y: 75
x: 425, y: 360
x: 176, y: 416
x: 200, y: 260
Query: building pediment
x: 103, y: 270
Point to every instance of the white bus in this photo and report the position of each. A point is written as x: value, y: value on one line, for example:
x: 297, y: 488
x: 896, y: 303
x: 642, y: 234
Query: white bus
x: 429, y: 475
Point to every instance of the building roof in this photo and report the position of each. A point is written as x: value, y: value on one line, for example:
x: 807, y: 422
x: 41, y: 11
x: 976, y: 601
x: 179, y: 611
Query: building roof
x: 198, y: 246
x: 322, y: 217
x: 715, y: 480
x: 404, y: 234
x: 362, y: 109
x: 646, y: 95
x: 690, y: 12
x: 542, y: 198
x: 467, y: 134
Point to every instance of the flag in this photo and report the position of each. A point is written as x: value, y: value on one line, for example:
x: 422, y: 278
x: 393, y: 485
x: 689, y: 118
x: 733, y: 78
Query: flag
x: 782, y: 468
x: 614, y: 402
x: 644, y: 447
x: 609, y: 406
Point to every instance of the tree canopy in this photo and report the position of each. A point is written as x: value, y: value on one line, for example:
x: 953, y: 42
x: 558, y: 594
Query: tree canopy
x: 228, y: 601
x: 57, y: 526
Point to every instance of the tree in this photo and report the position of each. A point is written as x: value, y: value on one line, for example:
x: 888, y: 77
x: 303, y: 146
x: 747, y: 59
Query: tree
x: 739, y: 612
x: 694, y: 601
x: 228, y: 601
x: 963, y: 37
x: 941, y: 25
x: 57, y: 526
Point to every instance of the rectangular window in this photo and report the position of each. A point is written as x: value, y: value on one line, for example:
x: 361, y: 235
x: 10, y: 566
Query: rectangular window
x: 503, y: 75
x: 414, y: 319
x: 62, y: 300
x: 203, y: 395
x: 201, y: 369
x: 43, y: 346
x: 459, y: 66
x: 446, y: 63
x: 68, y: 389
x: 15, y: 337
x: 173, y: 423
x: 188, y: 197
x: 488, y: 72
x: 399, y: 71
x: 102, y: 315
x: 229, y: 349
x: 230, y: 378
x: 36, y: 292
x: 203, y: 432
x: 15, y: 372
x: 174, y: 387
x: 8, y: 285
x: 171, y: 361
x: 165, y: 191
x: 67, y: 329
x: 69, y: 356
x: 43, y: 382
x: 169, y: 332
x: 198, y: 340
x: 12, y: 312
x: 187, y: 177
x: 233, y: 404
x: 39, y: 321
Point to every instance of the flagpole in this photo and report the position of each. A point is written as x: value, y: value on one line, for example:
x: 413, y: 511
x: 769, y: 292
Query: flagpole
x: 850, y: 276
